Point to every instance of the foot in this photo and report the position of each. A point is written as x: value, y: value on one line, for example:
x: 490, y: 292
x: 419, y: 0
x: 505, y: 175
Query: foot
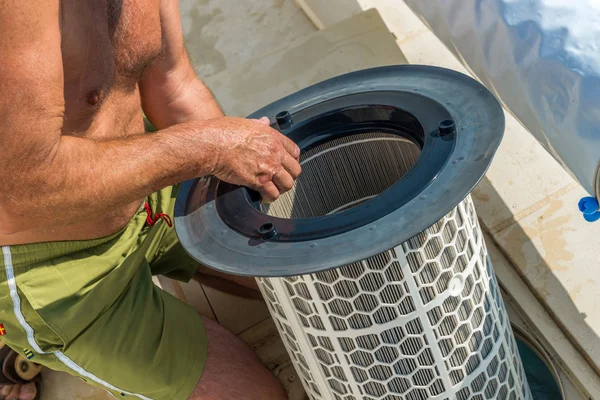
x: 18, y: 392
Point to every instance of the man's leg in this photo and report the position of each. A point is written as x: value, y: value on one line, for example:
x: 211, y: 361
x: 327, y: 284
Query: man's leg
x: 233, y: 371
x: 143, y: 343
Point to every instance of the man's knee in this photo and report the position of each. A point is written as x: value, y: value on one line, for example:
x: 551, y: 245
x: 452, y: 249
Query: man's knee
x: 233, y: 371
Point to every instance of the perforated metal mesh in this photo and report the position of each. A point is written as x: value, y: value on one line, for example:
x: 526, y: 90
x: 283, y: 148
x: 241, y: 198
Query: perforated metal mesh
x: 421, y: 321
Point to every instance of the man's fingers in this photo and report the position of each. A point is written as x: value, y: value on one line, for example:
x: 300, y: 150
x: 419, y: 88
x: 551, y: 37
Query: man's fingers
x: 269, y: 192
x: 14, y: 393
x: 283, y: 180
x: 4, y: 390
x: 292, y: 166
x: 28, y: 391
x: 291, y: 147
x: 264, y: 120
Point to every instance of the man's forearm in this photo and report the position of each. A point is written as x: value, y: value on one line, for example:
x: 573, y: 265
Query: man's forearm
x: 83, y: 176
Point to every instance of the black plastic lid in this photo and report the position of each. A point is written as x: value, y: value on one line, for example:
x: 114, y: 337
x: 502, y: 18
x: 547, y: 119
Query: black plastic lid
x: 456, y: 121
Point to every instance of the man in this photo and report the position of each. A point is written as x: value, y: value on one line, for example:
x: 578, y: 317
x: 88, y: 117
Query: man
x: 85, y: 192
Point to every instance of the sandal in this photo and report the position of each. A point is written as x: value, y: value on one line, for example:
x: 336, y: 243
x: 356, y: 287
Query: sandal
x: 16, y: 369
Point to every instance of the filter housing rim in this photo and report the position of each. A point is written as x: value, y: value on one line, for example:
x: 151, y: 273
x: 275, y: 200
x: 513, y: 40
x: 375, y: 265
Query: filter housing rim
x: 240, y: 209
x: 479, y: 123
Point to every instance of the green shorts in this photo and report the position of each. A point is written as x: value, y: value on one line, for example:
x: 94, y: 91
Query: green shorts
x: 90, y: 308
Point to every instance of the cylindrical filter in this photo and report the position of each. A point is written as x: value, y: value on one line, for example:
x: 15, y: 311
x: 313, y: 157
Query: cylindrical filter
x: 373, y: 266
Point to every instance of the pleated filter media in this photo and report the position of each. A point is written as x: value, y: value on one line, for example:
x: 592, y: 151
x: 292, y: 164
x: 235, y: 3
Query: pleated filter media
x: 423, y: 320
x: 374, y: 266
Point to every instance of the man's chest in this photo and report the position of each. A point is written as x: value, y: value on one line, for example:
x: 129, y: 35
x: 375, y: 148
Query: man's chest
x: 108, y: 42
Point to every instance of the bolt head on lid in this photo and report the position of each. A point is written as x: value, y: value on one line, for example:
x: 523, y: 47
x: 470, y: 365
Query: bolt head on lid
x: 446, y: 127
x: 284, y: 119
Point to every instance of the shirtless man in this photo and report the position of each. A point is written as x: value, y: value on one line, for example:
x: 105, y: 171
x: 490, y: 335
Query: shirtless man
x: 87, y: 194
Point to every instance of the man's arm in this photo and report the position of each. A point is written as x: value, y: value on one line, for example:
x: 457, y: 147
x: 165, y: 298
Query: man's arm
x: 52, y: 179
x: 170, y: 90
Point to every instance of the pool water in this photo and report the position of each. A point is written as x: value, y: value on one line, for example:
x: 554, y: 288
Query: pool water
x: 541, y: 381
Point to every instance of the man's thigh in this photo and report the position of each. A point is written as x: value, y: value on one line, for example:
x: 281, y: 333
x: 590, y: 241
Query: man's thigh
x: 233, y: 371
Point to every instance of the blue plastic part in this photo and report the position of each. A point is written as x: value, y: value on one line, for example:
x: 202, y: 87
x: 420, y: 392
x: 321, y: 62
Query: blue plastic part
x: 590, y: 208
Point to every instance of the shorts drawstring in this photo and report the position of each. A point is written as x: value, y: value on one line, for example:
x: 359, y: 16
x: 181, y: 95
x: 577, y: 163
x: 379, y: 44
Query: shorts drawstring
x: 151, y: 220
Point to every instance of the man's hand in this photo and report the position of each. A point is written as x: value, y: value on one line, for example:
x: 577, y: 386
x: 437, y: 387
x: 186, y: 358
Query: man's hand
x: 252, y: 154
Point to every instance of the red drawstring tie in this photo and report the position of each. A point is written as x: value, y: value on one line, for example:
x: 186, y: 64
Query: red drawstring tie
x: 151, y: 220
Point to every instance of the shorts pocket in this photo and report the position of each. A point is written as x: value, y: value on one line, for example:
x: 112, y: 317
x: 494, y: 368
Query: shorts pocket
x: 69, y: 305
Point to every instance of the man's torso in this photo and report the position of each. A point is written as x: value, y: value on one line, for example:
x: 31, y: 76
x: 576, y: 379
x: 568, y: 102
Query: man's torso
x: 106, y: 46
